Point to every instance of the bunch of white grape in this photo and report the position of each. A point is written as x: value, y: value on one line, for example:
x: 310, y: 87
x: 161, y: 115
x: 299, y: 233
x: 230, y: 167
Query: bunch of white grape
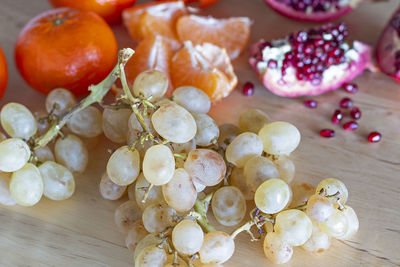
x: 175, y: 162
x: 29, y: 171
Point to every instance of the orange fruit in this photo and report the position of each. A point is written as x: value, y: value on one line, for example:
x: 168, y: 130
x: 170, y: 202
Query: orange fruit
x: 110, y: 10
x: 154, y: 19
x: 205, y: 66
x: 152, y: 53
x: 3, y: 73
x: 231, y: 33
x: 67, y: 48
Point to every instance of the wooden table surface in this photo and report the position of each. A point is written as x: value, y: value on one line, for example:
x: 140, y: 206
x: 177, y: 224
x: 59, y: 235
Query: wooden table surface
x: 81, y: 230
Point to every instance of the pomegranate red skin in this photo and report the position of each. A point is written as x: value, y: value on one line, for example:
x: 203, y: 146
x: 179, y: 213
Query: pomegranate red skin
x: 354, y: 69
x: 386, y: 48
x: 286, y: 11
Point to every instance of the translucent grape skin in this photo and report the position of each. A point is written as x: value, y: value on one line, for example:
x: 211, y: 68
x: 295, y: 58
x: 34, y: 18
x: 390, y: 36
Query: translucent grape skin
x: 205, y: 166
x: 252, y: 120
x: 257, y: 170
x: 18, y: 121
x: 71, y: 152
x: 157, y: 217
x: 286, y: 168
x: 179, y: 192
x: 237, y: 179
x: 218, y: 247
x: 342, y: 224
x: 150, y: 83
x: 158, y: 165
x: 191, y: 98
x: 301, y: 193
x: 109, y: 189
x: 318, y: 242
x: 333, y: 186
x: 135, y: 234
x: 174, y: 123
x: 58, y: 181
x: 87, y: 122
x: 5, y: 195
x: 148, y: 240
x: 276, y: 250
x: 207, y: 130
x: 272, y: 196
x: 228, y: 205
x: 115, y: 124
x: 123, y: 166
x: 227, y: 133
x: 279, y: 138
x: 151, y: 256
x: 44, y: 154
x: 155, y: 195
x: 187, y: 237
x: 26, y: 185
x: 59, y: 100
x: 294, y: 226
x: 319, y: 208
x: 170, y: 262
x: 242, y: 148
x: 126, y: 215
x: 14, y: 154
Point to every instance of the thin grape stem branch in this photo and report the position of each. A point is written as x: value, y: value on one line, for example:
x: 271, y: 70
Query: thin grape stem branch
x: 200, y: 213
x: 97, y: 92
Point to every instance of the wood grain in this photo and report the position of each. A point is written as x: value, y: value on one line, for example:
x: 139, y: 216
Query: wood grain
x: 81, y: 231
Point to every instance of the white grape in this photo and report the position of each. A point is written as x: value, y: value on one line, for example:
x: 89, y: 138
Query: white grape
x: 44, y: 154
x: 272, y: 196
x: 123, y: 167
x: 252, y: 120
x: 158, y: 165
x: 126, y: 215
x: 276, y: 249
x: 115, y: 124
x: 342, y: 224
x: 5, y: 195
x: 279, y: 138
x: 26, y: 185
x: 187, y: 237
x: 207, y: 130
x: 179, y: 192
x: 141, y: 186
x: 58, y: 181
x: 109, y: 189
x: 150, y: 83
x: 191, y: 98
x: 152, y: 256
x: 294, y: 226
x: 148, y: 240
x: 157, y: 217
x: 301, y: 193
x: 228, y: 205
x: 242, y: 148
x: 18, y: 121
x: 135, y: 234
x: 174, y: 123
x: 227, y: 133
x: 319, y: 208
x: 42, y: 121
x: 286, y: 168
x: 184, y: 147
x: 199, y: 187
x: 333, y: 187
x: 87, y: 122
x: 2, y: 136
x: 257, y: 170
x: 205, y: 166
x: 72, y: 153
x: 237, y: 179
x: 318, y: 242
x: 14, y: 154
x: 59, y: 100
x: 218, y: 247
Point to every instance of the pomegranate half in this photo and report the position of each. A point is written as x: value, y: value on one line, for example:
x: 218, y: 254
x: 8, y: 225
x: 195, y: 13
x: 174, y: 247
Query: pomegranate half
x: 309, y: 62
x: 313, y: 10
x: 388, y: 48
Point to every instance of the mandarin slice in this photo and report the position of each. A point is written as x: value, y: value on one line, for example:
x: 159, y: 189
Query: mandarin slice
x: 231, y: 33
x: 152, y: 19
x: 151, y: 53
x: 206, y: 66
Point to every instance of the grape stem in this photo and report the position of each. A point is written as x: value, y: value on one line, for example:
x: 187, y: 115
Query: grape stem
x: 200, y: 213
x: 97, y: 92
x: 257, y: 219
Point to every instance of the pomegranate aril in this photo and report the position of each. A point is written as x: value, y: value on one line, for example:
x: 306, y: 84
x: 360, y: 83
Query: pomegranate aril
x: 355, y: 113
x: 374, y: 137
x: 350, y: 126
x: 350, y: 88
x: 327, y: 133
x: 248, y: 89
x: 337, y: 116
x: 346, y: 103
x: 310, y: 103
x: 272, y: 64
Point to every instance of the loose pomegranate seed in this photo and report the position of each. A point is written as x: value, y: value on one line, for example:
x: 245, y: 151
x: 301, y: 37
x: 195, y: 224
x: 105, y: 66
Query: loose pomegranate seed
x: 350, y: 126
x: 355, y: 113
x: 310, y: 103
x: 327, y: 133
x: 337, y: 116
x: 346, y: 103
x: 374, y: 137
x: 350, y: 88
x: 248, y: 89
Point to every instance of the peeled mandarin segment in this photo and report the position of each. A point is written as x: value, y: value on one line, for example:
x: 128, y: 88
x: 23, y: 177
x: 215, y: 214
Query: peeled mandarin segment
x: 152, y: 53
x: 231, y: 33
x: 193, y: 66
